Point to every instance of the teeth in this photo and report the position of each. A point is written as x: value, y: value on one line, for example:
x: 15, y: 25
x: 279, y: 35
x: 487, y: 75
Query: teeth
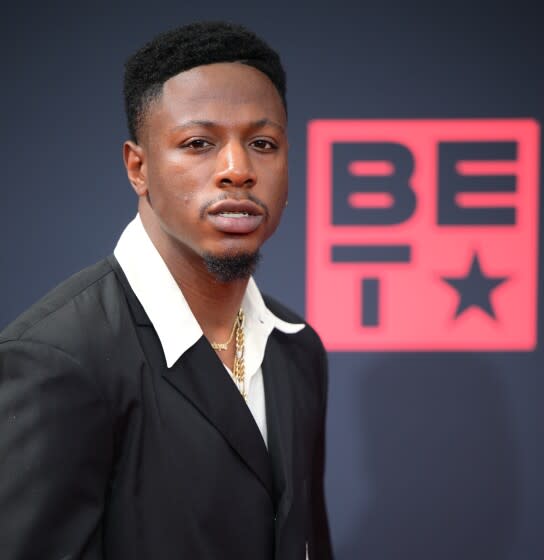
x: 234, y: 214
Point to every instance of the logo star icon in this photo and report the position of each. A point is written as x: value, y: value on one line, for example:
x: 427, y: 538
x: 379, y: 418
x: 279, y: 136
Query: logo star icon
x: 475, y: 288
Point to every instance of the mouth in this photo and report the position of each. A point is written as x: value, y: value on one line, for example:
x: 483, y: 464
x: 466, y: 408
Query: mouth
x: 235, y: 216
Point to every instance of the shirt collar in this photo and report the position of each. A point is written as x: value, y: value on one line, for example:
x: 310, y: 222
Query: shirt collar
x: 164, y: 302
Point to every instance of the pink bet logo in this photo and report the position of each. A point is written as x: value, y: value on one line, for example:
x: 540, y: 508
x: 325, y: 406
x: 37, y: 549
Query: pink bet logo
x: 422, y: 234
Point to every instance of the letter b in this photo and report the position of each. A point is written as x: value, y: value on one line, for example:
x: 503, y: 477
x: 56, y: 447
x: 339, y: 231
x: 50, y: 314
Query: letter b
x: 394, y: 183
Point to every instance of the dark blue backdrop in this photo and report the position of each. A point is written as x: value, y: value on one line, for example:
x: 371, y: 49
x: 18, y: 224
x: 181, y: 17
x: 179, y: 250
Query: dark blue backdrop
x: 430, y: 456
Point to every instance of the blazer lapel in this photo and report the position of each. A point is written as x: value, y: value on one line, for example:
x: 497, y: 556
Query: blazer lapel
x: 202, y: 379
x: 277, y: 372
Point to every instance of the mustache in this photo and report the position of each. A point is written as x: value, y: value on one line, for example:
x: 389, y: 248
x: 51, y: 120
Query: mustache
x: 225, y: 196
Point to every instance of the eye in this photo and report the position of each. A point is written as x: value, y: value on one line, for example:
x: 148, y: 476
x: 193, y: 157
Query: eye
x: 196, y: 144
x: 264, y: 145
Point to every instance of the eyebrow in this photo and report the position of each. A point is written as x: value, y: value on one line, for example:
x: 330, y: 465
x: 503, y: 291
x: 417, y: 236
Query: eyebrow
x: 261, y: 123
x: 267, y: 122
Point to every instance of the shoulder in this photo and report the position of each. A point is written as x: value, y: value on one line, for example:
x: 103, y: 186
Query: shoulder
x: 281, y: 310
x: 304, y: 348
x: 67, y: 311
x: 307, y: 335
x: 65, y: 345
x: 305, y: 352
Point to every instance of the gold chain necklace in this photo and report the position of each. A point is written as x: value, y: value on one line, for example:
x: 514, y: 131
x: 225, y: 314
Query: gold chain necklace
x: 238, y: 368
x: 225, y: 345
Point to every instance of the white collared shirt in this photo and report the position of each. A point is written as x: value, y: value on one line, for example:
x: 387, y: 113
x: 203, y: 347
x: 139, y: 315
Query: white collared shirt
x: 174, y: 322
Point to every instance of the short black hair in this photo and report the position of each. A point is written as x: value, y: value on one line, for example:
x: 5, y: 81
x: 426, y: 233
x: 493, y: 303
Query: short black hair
x: 184, y: 48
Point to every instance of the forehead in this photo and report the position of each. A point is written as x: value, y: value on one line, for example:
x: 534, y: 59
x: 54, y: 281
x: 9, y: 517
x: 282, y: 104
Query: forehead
x: 219, y: 92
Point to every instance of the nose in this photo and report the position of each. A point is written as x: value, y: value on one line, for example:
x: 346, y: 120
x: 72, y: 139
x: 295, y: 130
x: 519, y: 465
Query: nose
x: 234, y: 167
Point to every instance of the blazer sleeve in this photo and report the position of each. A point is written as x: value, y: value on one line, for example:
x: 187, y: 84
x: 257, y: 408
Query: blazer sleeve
x: 55, y: 455
x: 319, y: 547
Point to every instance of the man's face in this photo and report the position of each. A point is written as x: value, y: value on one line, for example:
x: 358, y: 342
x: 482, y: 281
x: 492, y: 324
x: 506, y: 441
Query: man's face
x: 213, y: 172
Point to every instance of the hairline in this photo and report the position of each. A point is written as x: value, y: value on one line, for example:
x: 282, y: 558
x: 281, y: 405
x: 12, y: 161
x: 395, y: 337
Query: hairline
x: 154, y: 93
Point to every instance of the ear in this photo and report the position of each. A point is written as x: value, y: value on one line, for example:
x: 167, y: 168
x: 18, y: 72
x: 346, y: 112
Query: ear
x: 133, y: 156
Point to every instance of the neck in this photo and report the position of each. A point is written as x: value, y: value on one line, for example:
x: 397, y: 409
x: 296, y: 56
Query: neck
x: 214, y: 304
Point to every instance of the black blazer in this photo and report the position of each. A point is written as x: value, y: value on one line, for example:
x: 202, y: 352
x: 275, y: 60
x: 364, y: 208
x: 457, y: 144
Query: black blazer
x: 105, y: 453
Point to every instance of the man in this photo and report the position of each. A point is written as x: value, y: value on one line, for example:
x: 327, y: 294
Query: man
x: 155, y: 406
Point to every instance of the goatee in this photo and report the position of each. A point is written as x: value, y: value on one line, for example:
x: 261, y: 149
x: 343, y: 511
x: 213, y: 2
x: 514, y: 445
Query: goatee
x: 232, y: 267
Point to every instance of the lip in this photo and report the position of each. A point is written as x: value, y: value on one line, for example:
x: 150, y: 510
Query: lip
x: 236, y: 206
x: 235, y: 216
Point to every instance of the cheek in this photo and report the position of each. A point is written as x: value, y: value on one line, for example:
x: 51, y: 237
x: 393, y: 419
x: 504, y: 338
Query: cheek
x: 186, y: 198
x: 276, y: 207
x: 182, y: 181
x: 170, y: 184
x: 281, y: 192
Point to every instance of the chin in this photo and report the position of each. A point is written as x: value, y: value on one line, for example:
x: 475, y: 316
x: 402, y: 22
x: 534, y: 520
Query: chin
x: 229, y: 267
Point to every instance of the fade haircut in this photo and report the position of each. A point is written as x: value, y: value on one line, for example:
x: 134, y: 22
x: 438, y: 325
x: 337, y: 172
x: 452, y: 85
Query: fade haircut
x: 184, y: 48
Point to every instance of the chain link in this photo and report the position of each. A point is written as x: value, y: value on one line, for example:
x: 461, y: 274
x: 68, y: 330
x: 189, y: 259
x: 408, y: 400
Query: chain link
x: 238, y: 369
